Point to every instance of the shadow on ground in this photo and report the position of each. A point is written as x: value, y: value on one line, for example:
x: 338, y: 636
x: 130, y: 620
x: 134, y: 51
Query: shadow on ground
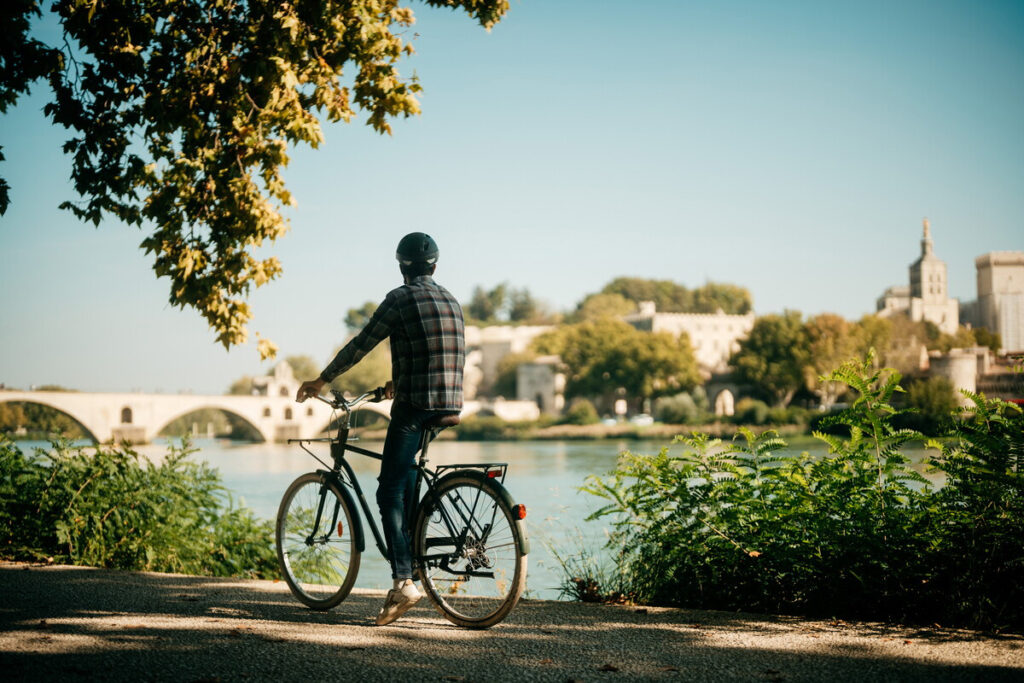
x: 78, y: 623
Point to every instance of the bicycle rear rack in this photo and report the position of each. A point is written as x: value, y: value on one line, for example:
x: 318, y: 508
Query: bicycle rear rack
x: 493, y: 470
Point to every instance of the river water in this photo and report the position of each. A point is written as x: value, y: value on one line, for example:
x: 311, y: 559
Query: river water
x: 543, y: 475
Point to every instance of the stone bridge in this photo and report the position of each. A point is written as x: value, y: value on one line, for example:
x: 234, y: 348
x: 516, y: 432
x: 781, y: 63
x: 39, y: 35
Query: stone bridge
x: 139, y: 418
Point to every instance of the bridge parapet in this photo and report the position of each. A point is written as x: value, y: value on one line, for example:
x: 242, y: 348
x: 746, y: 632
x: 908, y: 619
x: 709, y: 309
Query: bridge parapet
x: 139, y: 418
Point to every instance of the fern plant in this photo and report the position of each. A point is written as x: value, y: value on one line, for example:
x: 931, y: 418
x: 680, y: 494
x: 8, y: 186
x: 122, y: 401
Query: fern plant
x: 111, y: 507
x: 978, y: 520
x: 744, y: 526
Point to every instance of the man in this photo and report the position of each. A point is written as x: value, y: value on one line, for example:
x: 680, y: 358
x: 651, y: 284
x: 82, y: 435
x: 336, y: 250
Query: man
x: 428, y: 352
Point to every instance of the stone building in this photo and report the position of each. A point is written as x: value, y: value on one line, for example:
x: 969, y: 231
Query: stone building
x: 1000, y: 303
x: 486, y: 346
x: 713, y: 336
x: 541, y: 381
x: 927, y: 298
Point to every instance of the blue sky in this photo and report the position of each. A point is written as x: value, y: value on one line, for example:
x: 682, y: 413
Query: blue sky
x: 790, y: 147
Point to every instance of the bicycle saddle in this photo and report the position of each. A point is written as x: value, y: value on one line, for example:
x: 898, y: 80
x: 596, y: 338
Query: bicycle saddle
x: 443, y: 421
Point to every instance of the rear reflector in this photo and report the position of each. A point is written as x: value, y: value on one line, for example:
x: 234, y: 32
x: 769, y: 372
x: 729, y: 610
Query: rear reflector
x: 519, y: 511
x: 493, y: 474
x: 341, y: 531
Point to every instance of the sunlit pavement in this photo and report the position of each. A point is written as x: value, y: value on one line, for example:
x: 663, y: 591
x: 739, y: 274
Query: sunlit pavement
x: 71, y: 623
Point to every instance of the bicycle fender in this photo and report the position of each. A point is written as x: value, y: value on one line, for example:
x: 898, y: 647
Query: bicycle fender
x: 503, y: 494
x: 357, y: 522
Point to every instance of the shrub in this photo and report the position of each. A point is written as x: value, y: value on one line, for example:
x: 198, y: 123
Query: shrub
x: 582, y: 412
x: 931, y: 402
x: 750, y: 411
x: 477, y: 428
x: 977, y: 521
x: 857, y: 534
x: 113, y: 508
x: 678, y: 409
x: 493, y: 428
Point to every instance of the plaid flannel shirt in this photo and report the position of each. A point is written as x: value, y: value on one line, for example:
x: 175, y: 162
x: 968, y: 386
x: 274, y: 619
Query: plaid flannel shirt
x: 428, y: 345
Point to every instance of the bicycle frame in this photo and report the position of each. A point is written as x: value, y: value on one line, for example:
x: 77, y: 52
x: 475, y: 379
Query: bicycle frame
x: 342, y: 474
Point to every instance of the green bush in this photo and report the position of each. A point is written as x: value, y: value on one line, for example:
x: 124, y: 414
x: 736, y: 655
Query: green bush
x: 976, y: 521
x: 492, y: 428
x: 750, y: 411
x: 678, y: 409
x: 111, y: 507
x: 582, y: 412
x: 476, y: 428
x: 930, y: 403
x: 856, y: 534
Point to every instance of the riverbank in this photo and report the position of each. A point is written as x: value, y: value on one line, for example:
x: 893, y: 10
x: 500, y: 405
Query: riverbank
x: 497, y: 430
x: 60, y: 622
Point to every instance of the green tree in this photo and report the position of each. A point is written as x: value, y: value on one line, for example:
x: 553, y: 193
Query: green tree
x: 666, y: 295
x: 303, y: 367
x: 181, y: 113
x: 715, y: 296
x: 599, y: 305
x: 523, y: 307
x: 963, y: 338
x: 830, y: 343
x: 871, y: 337
x: 486, y: 306
x: 603, y: 356
x: 986, y: 337
x: 373, y: 370
x: 931, y: 401
x: 670, y: 297
x: 773, y: 357
x: 241, y: 386
x: 356, y: 318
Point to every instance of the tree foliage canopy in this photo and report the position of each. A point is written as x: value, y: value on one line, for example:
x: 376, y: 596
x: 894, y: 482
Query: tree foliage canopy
x: 671, y: 297
x: 356, y: 318
x: 774, y: 356
x: 181, y: 111
x: 503, y: 303
x: 605, y: 355
x: 830, y: 343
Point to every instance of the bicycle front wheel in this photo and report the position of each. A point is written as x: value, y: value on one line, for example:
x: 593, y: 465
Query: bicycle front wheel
x: 470, y: 551
x: 316, y: 542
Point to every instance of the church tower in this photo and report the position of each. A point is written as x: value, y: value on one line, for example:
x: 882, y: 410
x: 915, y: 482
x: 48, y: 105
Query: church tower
x: 928, y: 280
x: 929, y: 288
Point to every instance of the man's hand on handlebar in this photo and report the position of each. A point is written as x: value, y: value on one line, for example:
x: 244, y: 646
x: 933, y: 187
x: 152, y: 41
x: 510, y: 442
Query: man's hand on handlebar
x: 389, y: 389
x: 309, y: 388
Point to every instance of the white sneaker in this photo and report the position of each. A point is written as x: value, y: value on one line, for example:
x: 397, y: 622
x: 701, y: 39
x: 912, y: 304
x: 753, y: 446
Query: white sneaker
x: 398, y: 602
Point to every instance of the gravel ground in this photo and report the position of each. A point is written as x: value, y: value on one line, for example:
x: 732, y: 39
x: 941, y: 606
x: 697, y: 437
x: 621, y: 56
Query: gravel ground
x: 72, y: 623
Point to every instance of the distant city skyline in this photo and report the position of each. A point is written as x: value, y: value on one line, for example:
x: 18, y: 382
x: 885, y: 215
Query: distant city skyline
x: 792, y: 148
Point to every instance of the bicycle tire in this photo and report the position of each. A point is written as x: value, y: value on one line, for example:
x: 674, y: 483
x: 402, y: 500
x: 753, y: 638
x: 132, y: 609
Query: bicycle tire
x: 473, y: 502
x: 320, y: 565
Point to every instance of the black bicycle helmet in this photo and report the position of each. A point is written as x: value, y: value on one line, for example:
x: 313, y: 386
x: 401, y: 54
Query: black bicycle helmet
x: 417, y: 247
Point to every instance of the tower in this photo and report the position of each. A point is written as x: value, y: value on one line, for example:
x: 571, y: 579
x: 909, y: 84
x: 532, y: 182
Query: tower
x: 928, y: 279
x: 929, y: 288
x: 1000, y: 305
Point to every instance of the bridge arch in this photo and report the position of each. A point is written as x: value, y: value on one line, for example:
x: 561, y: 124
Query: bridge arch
x: 724, y: 403
x: 220, y: 408
x: 89, y: 432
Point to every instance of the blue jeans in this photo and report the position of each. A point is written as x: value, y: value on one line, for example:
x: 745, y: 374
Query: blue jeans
x: 397, y: 482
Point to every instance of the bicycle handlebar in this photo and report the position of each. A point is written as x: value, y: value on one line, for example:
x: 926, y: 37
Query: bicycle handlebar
x: 373, y: 396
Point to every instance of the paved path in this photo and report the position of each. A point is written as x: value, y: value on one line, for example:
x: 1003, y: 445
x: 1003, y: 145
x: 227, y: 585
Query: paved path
x: 71, y: 623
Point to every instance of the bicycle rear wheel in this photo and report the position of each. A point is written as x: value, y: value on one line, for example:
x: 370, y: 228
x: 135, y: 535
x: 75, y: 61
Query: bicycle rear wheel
x: 470, y: 551
x: 316, y: 542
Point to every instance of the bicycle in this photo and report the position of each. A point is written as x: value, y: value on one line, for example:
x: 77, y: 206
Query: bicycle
x: 469, y: 539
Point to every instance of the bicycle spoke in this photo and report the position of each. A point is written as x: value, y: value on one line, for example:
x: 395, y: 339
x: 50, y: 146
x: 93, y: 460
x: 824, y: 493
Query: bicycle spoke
x: 471, y: 563
x: 316, y: 548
